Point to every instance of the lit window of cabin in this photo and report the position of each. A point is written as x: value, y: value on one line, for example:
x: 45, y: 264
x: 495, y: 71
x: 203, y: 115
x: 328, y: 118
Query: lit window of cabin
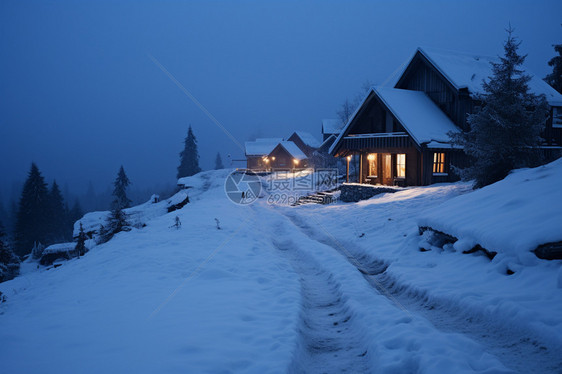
x: 557, y: 117
x: 439, y: 163
x: 372, y: 158
x: 401, y: 165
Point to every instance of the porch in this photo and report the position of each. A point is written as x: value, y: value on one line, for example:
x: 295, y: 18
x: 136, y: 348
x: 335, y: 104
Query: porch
x: 388, y: 159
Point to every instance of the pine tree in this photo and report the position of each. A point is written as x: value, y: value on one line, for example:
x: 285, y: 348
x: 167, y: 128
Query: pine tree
x: 32, y: 224
x: 117, y: 220
x: 9, y: 262
x: 120, y: 185
x: 218, y: 162
x: 555, y: 78
x: 58, y: 219
x: 189, y: 157
x: 81, y: 243
x: 505, y: 131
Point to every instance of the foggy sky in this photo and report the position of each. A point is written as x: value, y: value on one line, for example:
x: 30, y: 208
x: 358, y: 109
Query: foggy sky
x: 80, y: 96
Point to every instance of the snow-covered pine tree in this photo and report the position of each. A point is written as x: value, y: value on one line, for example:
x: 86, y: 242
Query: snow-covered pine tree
x: 218, y: 162
x: 555, y: 78
x: 81, y: 243
x: 120, y: 190
x: 32, y: 223
x: 189, y: 157
x: 117, y: 220
x: 505, y: 130
x: 58, y: 219
x: 9, y: 262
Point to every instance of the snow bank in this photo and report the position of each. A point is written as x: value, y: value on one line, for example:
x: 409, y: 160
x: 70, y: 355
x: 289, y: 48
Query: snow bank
x: 511, y: 217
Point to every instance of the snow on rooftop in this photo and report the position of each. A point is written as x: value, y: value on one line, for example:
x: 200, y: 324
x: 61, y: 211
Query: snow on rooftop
x: 417, y: 113
x: 60, y: 247
x: 512, y: 216
x: 308, y: 139
x: 293, y: 150
x: 465, y: 70
x: 261, y: 146
x: 331, y: 126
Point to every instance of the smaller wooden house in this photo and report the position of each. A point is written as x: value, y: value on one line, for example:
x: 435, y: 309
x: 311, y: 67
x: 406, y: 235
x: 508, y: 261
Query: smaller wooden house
x: 258, y: 150
x: 286, y: 156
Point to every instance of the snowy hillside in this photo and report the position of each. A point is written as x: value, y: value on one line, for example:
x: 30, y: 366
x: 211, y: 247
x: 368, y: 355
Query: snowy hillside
x: 265, y: 288
x: 511, y: 217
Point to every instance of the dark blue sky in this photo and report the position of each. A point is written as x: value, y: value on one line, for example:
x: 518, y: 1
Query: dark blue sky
x: 80, y: 96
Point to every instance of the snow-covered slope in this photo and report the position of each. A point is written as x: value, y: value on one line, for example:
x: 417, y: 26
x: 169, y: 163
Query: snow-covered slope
x: 159, y: 299
x: 281, y: 289
x: 511, y: 217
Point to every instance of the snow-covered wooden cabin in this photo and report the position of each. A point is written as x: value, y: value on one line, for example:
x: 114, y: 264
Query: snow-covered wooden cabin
x: 257, y: 151
x: 400, y: 133
x: 287, y: 155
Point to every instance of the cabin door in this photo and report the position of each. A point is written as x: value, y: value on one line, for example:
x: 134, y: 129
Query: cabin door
x: 387, y: 169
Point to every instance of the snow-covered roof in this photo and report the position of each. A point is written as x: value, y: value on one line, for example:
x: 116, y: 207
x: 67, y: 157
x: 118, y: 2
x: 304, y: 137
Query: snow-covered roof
x: 423, y: 120
x: 465, y: 70
x: 308, y: 139
x: 61, y: 247
x: 331, y: 126
x: 293, y: 150
x: 261, y: 146
x: 415, y: 111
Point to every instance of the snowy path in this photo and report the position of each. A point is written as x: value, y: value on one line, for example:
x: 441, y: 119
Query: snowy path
x: 516, y: 349
x: 328, y: 333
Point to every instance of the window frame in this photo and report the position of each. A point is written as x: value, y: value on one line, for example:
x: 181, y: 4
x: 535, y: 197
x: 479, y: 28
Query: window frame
x: 438, y: 166
x: 372, y: 163
x: 398, y: 164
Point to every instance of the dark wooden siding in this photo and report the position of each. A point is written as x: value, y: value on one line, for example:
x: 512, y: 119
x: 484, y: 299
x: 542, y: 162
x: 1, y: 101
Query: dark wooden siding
x: 421, y: 75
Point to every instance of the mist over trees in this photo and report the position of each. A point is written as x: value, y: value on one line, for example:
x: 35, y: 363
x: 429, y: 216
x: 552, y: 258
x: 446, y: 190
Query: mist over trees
x: 505, y: 131
x: 189, y: 157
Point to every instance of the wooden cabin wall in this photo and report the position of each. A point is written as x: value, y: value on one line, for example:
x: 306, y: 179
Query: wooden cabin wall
x: 422, y: 76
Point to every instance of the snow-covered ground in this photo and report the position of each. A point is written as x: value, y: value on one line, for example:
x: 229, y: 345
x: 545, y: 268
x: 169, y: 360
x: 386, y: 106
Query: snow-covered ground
x: 285, y: 289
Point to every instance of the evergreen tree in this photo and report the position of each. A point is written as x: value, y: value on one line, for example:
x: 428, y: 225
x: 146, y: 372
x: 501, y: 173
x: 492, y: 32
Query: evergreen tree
x: 117, y: 220
x: 505, y: 131
x: 218, y: 162
x: 120, y: 185
x: 32, y: 224
x: 555, y: 78
x: 58, y: 219
x: 81, y: 244
x: 9, y: 262
x: 189, y: 157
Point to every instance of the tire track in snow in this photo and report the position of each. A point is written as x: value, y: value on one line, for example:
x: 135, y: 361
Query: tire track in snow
x: 329, y: 338
x: 516, y: 349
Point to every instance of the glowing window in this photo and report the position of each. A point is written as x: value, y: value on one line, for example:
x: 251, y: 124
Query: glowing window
x: 401, y: 165
x: 438, y: 163
x: 372, y: 158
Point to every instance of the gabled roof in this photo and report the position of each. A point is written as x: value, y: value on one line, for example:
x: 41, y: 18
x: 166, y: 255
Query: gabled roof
x: 261, y: 146
x: 331, y: 126
x: 307, y: 139
x: 420, y: 117
x: 468, y: 71
x: 292, y: 149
